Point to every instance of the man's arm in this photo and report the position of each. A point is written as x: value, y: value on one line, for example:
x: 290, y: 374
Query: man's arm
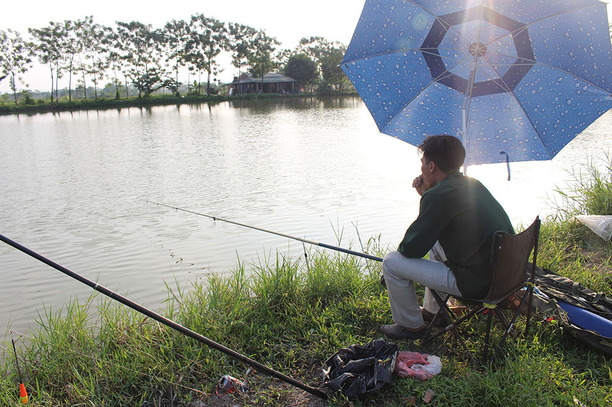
x: 426, y: 228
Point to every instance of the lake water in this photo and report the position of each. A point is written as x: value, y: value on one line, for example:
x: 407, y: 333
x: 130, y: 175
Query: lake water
x: 74, y: 187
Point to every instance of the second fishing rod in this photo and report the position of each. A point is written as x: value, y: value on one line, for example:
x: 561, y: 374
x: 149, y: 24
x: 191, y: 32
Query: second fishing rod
x: 163, y: 320
x: 310, y: 242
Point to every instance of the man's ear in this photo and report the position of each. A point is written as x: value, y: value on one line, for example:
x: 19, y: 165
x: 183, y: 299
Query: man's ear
x: 432, y: 166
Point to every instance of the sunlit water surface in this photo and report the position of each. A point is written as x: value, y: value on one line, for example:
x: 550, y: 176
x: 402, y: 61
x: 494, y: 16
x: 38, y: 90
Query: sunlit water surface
x: 74, y: 187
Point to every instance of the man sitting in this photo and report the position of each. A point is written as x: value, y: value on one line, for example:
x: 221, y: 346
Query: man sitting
x: 457, y: 219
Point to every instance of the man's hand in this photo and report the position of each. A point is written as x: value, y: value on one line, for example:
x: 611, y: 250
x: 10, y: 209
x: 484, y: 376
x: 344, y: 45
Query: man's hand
x: 419, y: 185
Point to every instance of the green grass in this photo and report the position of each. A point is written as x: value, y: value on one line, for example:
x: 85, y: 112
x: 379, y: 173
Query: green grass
x: 292, y: 315
x: 291, y: 318
x: 568, y: 247
x: 590, y: 191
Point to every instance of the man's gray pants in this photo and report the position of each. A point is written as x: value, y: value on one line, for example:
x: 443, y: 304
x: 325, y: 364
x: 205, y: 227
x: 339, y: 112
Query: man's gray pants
x: 400, y: 275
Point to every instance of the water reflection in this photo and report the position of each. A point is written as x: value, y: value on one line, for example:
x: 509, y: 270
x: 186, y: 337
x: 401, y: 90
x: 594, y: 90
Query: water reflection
x: 302, y: 103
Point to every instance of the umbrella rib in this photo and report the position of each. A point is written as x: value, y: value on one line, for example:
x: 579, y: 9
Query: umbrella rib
x: 371, y: 56
x: 396, y: 50
x: 431, y: 13
x: 525, y: 25
x: 534, y: 62
x: 435, y: 80
x: 525, y: 114
x: 511, y: 92
x: 575, y: 77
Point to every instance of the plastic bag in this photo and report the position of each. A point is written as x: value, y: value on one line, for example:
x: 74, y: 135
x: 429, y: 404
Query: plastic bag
x: 360, y: 369
x: 600, y: 224
x: 417, y: 365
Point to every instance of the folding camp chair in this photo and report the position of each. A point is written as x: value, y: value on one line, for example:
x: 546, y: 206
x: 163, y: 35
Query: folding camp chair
x: 511, y: 271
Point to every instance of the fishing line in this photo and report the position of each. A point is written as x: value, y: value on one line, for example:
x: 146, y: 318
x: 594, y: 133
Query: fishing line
x: 358, y: 235
x: 168, y: 322
x: 310, y: 242
x: 306, y: 257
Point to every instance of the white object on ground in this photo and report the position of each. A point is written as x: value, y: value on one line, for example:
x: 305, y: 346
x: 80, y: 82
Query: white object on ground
x: 600, y: 224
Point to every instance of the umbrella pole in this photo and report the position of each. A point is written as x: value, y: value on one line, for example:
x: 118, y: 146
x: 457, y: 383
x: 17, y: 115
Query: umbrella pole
x: 465, y: 109
x: 463, y: 134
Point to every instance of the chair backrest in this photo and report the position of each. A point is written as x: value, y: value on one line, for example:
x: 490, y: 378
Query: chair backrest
x: 510, y: 258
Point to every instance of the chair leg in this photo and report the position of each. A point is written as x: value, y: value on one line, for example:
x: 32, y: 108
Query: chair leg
x: 427, y: 338
x: 502, y: 318
x: 485, y: 352
x: 529, y: 302
x: 452, y: 327
x: 445, y: 312
x: 526, y: 298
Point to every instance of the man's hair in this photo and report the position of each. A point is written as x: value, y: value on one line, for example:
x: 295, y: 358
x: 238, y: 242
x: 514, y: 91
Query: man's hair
x: 446, y: 151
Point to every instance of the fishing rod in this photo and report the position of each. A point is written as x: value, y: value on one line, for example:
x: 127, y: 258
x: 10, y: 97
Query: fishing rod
x: 23, y: 394
x: 310, y: 242
x: 168, y: 322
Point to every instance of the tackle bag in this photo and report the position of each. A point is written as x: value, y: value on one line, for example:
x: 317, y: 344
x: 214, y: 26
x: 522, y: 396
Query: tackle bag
x: 584, y: 314
x: 360, y: 369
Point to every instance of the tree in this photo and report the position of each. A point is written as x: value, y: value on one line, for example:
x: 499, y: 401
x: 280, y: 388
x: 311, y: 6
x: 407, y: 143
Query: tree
x: 99, y: 55
x: 116, y: 59
x: 282, y: 57
x: 140, y: 47
x: 330, y: 67
x: 301, y: 68
x: 14, y: 60
x: 240, y: 39
x: 327, y: 56
x: 154, y: 79
x: 46, y: 48
x: 4, y: 50
x: 208, y: 38
x: 260, y: 54
x: 92, y: 59
x: 176, y: 39
x: 71, y: 44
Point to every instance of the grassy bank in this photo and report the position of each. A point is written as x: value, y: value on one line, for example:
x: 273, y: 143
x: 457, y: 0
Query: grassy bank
x: 44, y: 106
x: 292, y: 315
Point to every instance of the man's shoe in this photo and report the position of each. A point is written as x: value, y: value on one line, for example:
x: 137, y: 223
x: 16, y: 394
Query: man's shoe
x: 395, y: 331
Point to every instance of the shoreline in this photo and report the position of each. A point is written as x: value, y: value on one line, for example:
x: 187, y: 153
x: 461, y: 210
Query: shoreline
x: 103, y: 104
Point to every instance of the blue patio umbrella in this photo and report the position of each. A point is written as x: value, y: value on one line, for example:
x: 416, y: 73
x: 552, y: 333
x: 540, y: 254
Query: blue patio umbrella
x: 520, y: 77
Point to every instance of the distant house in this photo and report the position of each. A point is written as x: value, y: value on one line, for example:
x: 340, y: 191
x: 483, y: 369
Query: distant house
x: 272, y: 83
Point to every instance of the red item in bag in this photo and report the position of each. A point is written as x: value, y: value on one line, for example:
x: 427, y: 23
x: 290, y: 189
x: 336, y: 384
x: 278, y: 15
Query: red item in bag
x: 417, y: 365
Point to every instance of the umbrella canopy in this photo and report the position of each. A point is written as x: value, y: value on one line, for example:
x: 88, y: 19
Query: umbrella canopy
x: 522, y: 77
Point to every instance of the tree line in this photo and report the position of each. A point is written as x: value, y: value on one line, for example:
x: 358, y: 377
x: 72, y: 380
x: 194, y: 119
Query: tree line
x: 149, y: 59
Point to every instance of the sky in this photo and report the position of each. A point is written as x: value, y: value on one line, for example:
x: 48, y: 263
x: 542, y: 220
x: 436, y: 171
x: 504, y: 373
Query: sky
x: 288, y: 21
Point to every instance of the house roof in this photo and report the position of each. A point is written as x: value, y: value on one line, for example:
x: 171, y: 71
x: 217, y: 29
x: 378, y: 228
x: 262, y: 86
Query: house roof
x: 268, y: 78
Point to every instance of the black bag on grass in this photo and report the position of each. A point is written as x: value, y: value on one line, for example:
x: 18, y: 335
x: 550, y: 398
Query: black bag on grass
x: 566, y: 291
x: 359, y: 370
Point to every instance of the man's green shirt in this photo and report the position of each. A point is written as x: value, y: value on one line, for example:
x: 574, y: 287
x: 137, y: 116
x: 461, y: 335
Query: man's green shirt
x: 462, y: 215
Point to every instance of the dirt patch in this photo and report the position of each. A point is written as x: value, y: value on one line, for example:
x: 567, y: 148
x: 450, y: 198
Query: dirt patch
x: 263, y: 393
x: 281, y: 395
